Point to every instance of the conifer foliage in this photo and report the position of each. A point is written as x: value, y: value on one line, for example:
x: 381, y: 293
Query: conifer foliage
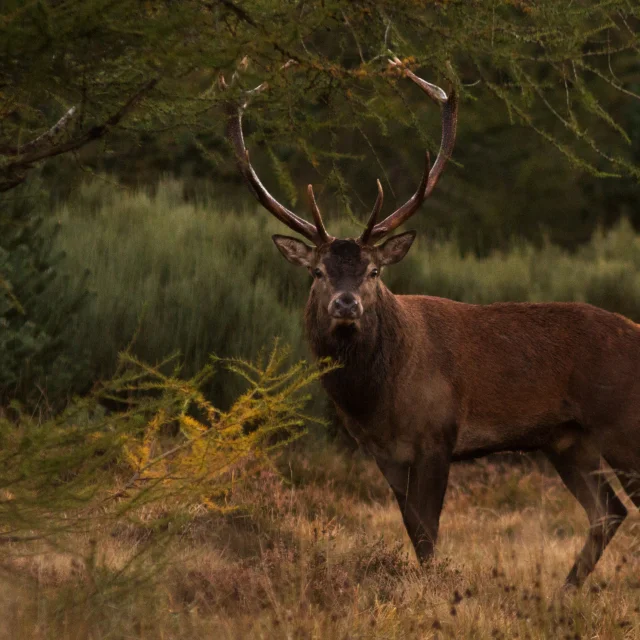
x: 72, y: 72
x: 38, y: 360
x: 150, y: 469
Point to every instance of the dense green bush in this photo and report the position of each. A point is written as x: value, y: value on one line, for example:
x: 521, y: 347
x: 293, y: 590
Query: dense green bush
x: 38, y: 305
x: 176, y: 276
x: 204, y: 277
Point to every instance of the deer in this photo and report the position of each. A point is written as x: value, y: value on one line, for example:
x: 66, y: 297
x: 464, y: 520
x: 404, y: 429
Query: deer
x: 422, y: 381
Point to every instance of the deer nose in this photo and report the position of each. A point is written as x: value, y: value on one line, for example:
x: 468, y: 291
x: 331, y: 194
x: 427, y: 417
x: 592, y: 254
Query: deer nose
x: 345, y: 305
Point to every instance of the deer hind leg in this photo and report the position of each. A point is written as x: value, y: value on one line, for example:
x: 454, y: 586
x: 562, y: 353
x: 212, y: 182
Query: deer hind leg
x: 626, y: 464
x: 580, y: 468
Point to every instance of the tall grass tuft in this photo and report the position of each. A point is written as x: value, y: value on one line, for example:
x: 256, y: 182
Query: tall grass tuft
x: 179, y: 277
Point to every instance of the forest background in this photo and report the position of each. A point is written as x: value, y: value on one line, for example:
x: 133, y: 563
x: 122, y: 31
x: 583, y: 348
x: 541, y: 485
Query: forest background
x: 548, y: 154
x: 127, y: 236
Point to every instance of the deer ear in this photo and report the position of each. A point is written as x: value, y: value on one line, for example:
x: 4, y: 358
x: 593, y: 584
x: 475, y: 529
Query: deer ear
x: 294, y: 250
x: 395, y: 248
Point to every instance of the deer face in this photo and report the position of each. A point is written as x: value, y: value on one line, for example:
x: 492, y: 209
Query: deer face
x: 345, y: 273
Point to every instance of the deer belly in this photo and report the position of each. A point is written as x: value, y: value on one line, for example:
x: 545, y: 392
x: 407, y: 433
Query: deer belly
x: 477, y: 438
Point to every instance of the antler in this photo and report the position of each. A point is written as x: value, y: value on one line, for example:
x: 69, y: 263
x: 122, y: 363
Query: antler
x: 374, y: 232
x: 314, y: 232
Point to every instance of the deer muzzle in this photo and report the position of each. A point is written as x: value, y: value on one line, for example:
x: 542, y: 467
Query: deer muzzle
x: 345, y: 306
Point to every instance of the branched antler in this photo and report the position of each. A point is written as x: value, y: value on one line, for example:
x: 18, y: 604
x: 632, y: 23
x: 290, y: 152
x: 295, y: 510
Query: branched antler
x: 374, y: 232
x: 314, y: 232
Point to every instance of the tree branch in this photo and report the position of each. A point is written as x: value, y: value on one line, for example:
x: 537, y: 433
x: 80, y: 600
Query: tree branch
x: 239, y: 12
x: 242, y: 15
x: 15, y: 171
x: 47, y: 136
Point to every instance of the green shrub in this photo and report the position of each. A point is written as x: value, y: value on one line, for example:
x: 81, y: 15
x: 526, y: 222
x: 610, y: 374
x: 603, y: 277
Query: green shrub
x: 203, y: 276
x: 178, y: 276
x: 38, y: 305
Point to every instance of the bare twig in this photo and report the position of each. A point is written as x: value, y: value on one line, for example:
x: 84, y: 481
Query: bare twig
x: 355, y: 37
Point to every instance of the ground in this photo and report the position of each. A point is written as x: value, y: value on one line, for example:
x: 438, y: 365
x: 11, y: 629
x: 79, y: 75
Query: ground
x: 321, y: 553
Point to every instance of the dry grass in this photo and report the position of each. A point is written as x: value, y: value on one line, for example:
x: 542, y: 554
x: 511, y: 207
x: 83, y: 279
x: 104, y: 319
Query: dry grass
x: 325, y: 555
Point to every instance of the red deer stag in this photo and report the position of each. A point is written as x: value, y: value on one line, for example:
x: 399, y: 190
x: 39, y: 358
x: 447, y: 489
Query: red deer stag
x: 426, y: 381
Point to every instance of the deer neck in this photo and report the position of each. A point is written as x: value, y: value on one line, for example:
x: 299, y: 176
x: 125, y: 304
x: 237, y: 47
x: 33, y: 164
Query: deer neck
x: 367, y: 357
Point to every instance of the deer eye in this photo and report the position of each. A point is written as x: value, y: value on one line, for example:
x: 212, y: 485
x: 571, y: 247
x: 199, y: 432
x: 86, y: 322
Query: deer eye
x: 317, y: 273
x: 373, y: 273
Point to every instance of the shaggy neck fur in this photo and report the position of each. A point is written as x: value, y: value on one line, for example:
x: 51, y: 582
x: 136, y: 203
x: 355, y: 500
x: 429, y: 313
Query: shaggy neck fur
x: 368, y: 357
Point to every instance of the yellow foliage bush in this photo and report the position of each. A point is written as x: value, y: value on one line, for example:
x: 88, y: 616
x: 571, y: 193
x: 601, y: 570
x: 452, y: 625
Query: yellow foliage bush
x: 149, y: 468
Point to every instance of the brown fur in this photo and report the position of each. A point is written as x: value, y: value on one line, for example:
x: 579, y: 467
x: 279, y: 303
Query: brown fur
x: 425, y: 381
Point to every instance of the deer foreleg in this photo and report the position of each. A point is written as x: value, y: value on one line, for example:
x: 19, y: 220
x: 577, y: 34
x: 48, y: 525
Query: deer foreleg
x: 419, y: 488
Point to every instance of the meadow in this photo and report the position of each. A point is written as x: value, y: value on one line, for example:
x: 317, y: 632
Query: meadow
x: 170, y: 467
x: 319, y: 551
x: 311, y: 544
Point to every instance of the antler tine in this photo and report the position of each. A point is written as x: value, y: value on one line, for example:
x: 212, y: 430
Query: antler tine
x: 406, y: 210
x: 317, y: 216
x: 364, y: 238
x: 316, y: 234
x: 431, y: 175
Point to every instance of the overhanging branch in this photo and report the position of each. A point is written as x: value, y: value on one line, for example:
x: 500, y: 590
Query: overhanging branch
x: 37, y: 150
x: 48, y: 136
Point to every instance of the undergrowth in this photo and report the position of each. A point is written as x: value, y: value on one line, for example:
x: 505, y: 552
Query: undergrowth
x: 73, y: 479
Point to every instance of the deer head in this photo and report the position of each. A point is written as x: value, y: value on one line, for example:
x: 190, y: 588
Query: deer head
x: 346, y: 272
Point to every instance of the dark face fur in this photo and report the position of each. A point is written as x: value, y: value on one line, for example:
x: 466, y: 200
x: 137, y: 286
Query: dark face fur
x: 345, y: 274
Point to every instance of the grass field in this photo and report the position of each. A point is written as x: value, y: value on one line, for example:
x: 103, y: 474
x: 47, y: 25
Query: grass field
x: 323, y: 554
